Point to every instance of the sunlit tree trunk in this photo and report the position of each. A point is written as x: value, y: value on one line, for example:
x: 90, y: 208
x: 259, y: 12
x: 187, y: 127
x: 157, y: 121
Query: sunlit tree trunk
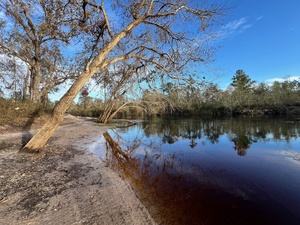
x: 39, y: 140
x: 57, y: 116
x: 26, y: 82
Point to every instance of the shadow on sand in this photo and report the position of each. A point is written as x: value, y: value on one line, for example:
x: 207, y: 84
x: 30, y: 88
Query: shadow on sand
x: 26, y: 134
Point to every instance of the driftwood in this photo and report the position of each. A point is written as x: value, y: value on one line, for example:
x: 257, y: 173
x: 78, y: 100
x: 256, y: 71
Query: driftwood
x: 114, y: 146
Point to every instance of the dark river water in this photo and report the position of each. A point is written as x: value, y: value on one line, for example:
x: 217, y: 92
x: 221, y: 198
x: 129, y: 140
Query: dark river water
x: 221, y: 171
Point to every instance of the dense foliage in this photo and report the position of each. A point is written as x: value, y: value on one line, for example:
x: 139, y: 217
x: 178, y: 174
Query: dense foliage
x: 243, y: 96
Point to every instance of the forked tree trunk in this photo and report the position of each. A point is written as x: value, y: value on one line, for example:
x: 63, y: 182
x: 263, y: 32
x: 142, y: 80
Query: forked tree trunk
x: 104, y: 117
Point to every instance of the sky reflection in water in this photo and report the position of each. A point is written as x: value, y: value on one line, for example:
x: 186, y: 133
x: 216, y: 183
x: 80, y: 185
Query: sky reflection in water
x: 226, y: 171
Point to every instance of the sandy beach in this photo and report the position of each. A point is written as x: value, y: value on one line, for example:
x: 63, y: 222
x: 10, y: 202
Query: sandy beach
x: 66, y: 183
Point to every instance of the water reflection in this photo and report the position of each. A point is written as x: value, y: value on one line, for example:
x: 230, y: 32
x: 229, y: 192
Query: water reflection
x: 242, y: 132
x: 241, y: 138
x: 187, y: 173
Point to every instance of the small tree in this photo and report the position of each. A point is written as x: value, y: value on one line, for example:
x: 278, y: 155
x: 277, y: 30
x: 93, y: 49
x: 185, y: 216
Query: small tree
x: 262, y: 95
x: 241, y: 81
x: 211, y: 96
x: 242, y: 85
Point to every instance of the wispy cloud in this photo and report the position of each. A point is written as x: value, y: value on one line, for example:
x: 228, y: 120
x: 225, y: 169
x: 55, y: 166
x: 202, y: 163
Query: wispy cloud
x: 259, y: 18
x: 292, y: 78
x: 234, y: 27
x: 236, y: 24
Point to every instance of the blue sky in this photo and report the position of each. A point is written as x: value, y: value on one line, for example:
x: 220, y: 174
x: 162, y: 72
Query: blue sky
x: 263, y: 39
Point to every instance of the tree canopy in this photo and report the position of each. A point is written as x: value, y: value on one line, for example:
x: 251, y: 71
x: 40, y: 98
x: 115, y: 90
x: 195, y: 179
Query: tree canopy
x: 33, y: 32
x: 241, y: 81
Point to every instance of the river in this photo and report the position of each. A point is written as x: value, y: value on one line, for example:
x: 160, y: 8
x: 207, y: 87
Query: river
x: 213, y: 171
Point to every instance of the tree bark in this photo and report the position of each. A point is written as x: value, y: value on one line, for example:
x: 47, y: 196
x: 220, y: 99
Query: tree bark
x: 42, y: 136
x: 25, y: 87
x: 35, y: 82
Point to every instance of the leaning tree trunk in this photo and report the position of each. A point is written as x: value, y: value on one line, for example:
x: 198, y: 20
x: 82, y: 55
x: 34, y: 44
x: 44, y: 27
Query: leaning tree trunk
x: 42, y: 136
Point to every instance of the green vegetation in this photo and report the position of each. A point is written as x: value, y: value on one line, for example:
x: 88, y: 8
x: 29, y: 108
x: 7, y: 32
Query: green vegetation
x: 243, y: 96
x: 18, y: 115
x: 11, y: 109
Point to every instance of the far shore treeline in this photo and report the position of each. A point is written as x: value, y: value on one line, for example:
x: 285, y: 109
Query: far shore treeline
x: 244, y: 96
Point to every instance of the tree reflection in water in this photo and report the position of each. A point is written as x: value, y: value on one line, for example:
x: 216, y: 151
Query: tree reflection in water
x: 181, y: 184
x: 242, y: 132
x: 241, y: 144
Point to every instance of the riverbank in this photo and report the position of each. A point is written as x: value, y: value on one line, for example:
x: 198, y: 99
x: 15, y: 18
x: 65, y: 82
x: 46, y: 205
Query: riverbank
x: 65, y: 183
